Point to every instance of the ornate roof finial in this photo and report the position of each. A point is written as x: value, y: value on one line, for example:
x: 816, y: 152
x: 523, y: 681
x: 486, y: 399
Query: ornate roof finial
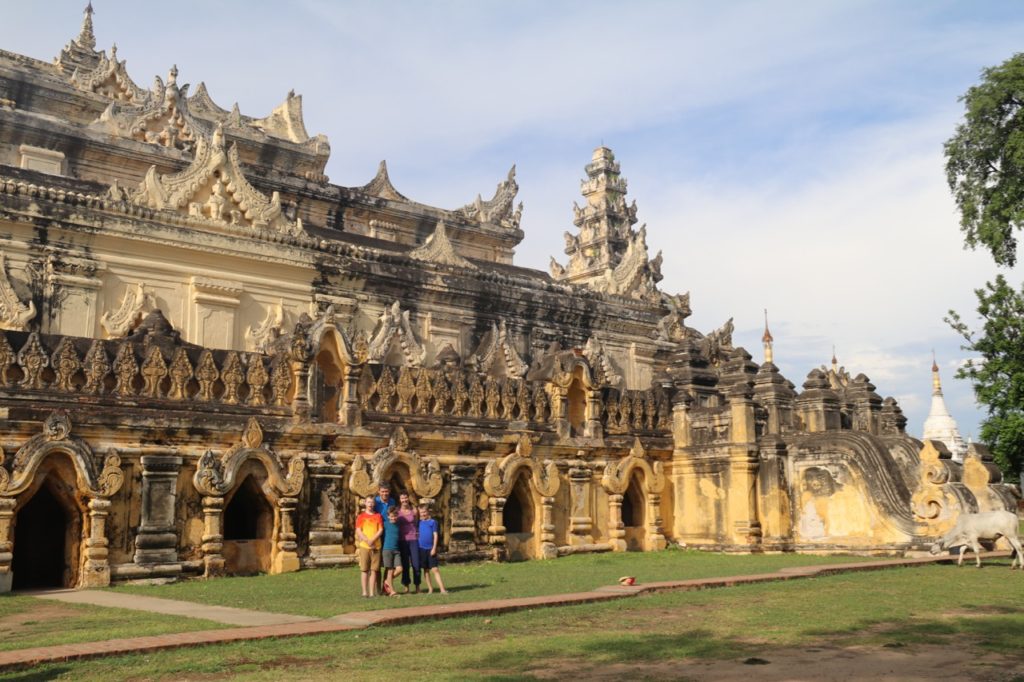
x: 172, y: 75
x: 936, y: 382
x: 86, y: 38
x: 835, y: 362
x: 767, y: 340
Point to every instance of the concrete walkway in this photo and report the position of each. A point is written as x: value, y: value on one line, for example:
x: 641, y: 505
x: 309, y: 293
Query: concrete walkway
x: 170, y: 607
x: 281, y: 625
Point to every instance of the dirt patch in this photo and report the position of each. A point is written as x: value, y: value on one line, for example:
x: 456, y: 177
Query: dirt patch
x: 920, y: 663
x: 15, y: 624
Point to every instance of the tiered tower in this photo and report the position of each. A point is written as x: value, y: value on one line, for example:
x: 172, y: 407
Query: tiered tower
x: 608, y: 254
x: 940, y: 424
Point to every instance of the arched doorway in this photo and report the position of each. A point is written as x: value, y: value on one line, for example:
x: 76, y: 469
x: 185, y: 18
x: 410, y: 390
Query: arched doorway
x: 46, y: 533
x: 577, y: 397
x: 518, y: 519
x: 633, y: 515
x: 248, y: 529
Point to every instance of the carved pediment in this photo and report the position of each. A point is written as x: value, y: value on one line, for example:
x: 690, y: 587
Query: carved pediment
x: 438, y: 249
x: 109, y: 78
x: 163, y: 118
x: 136, y: 302
x: 14, y: 314
x: 604, y: 371
x: 672, y: 327
x: 394, y: 326
x: 285, y: 122
x: 369, y: 473
x: 381, y: 185
x: 498, y: 209
x: 213, y: 190
x: 216, y: 476
x: 496, y: 355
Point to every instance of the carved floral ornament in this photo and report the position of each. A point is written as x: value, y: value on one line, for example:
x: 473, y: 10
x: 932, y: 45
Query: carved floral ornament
x: 497, y: 345
x: 368, y: 474
x: 109, y: 78
x: 498, y: 209
x: 439, y: 249
x: 213, y: 190
x: 162, y: 117
x: 56, y: 438
x: 500, y: 475
x: 14, y: 314
x: 216, y: 476
x: 617, y: 474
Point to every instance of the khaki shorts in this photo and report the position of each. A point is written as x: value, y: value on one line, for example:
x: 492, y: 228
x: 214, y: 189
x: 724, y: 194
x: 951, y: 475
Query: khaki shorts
x: 369, y: 559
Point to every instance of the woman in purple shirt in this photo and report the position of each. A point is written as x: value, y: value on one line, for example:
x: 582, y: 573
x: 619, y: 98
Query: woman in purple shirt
x: 408, y: 522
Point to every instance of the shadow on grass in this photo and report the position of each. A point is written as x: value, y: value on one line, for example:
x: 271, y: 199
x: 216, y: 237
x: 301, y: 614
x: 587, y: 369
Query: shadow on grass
x: 34, y: 675
x: 608, y: 648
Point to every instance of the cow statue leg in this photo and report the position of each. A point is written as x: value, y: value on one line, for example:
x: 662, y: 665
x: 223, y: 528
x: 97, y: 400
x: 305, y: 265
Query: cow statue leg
x: 960, y: 561
x: 1019, y: 554
x: 976, y: 546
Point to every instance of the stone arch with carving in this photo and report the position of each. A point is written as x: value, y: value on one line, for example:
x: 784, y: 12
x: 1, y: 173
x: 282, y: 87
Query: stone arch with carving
x: 424, y: 472
x: 567, y: 372
x: 215, y: 477
x: 338, y: 369
x: 616, y: 480
x: 96, y: 487
x: 499, y: 478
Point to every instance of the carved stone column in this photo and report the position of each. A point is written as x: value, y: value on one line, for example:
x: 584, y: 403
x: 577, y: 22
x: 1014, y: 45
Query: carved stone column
x: 743, y: 464
x: 496, y: 530
x: 592, y: 426
x: 580, y: 522
x: 548, y: 549
x: 157, y: 541
x: 616, y: 530
x: 327, y: 530
x: 285, y: 559
x: 6, y: 546
x: 560, y: 412
x: 655, y: 537
x: 463, y: 526
x: 349, y: 413
x: 213, y: 536
x: 95, y: 568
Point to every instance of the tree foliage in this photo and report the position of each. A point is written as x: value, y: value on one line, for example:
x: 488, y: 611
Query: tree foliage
x: 985, y: 161
x: 998, y: 375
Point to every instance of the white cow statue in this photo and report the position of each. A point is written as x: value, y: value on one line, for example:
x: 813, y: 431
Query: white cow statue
x: 970, y: 528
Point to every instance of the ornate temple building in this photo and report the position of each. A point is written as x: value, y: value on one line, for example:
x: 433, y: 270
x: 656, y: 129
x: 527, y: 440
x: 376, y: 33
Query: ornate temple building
x: 210, y: 352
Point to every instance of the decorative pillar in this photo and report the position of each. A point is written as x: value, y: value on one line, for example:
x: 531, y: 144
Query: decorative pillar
x: 496, y: 530
x: 548, y: 549
x: 655, y: 538
x: 157, y: 541
x: 285, y: 559
x: 743, y: 465
x: 327, y: 531
x: 580, y: 521
x: 560, y: 412
x: 213, y: 537
x: 616, y: 531
x: 463, y: 527
x: 349, y: 413
x: 6, y: 546
x: 592, y: 425
x: 96, y: 569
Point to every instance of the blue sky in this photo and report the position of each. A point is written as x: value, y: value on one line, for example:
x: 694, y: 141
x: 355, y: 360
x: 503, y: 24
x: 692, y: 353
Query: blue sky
x: 784, y: 155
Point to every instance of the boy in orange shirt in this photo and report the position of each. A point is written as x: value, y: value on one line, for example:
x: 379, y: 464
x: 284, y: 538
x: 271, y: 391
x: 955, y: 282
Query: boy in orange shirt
x: 369, y: 528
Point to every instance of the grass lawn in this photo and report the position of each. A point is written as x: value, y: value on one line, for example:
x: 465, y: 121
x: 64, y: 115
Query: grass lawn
x: 966, y: 609
x: 329, y: 592
x: 27, y: 622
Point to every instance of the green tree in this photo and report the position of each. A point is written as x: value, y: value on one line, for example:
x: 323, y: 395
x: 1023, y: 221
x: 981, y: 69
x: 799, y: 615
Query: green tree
x: 985, y: 161
x: 998, y: 375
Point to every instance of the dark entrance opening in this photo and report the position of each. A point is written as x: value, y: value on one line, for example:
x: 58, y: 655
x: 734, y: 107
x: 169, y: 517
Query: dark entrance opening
x: 248, y: 516
x: 633, y: 506
x: 39, y: 543
x: 517, y: 516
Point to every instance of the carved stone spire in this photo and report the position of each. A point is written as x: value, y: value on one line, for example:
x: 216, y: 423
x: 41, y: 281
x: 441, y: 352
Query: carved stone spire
x: 86, y: 38
x: 608, y: 254
x: 767, y: 340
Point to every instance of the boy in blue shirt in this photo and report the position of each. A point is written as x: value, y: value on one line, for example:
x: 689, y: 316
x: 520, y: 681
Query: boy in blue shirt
x: 390, y: 555
x: 430, y: 537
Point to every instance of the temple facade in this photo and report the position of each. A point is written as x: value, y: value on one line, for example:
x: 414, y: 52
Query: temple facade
x: 209, y: 352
